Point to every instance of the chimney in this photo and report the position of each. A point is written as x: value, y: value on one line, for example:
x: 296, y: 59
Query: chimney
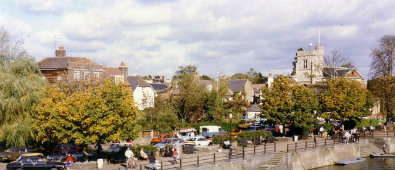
x: 60, y: 52
x: 124, y: 69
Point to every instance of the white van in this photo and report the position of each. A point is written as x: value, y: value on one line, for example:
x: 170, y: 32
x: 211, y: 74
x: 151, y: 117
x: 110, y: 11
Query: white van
x: 210, y: 130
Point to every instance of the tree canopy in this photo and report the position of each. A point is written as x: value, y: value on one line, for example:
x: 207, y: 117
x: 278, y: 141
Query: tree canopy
x: 383, y: 57
x: 252, y: 75
x: 344, y: 99
x: 21, y: 87
x: 96, y: 114
x: 384, y: 89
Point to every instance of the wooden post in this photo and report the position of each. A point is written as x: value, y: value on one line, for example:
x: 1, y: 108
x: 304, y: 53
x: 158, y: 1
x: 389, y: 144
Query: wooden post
x: 254, y: 149
x: 180, y: 163
x: 287, y: 147
x: 243, y: 153
x: 305, y: 144
x: 230, y: 153
x: 214, y: 157
x: 264, y: 148
x: 197, y: 160
x: 274, y: 146
x: 296, y: 146
x: 141, y: 166
x: 325, y: 142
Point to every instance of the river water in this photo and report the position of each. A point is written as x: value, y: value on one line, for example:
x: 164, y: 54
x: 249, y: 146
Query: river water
x: 368, y: 164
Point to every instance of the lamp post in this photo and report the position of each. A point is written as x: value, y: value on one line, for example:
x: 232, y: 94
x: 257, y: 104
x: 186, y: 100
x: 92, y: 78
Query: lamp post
x: 230, y: 124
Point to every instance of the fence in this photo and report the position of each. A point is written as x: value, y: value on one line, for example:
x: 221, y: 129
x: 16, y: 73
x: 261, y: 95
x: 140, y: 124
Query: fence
x: 265, y: 148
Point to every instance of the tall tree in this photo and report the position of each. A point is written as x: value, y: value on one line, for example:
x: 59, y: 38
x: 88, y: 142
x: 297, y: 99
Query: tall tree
x: 289, y: 103
x: 252, y: 75
x: 344, y: 99
x: 97, y: 114
x: 21, y: 87
x: 184, y: 71
x: 383, y: 57
x: 335, y: 59
x: 384, y: 89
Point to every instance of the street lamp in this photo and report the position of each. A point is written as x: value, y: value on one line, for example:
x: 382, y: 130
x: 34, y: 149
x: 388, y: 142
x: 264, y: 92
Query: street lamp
x: 230, y: 124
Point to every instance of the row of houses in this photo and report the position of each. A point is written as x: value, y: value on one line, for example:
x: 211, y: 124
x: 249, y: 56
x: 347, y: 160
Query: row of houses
x: 309, y: 70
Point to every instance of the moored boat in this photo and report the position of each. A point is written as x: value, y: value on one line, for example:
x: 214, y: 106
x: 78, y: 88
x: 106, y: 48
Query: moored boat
x: 350, y: 161
x: 382, y: 155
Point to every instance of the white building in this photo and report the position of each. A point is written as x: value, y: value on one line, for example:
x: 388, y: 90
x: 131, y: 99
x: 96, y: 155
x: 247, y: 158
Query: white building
x: 309, y: 66
x: 143, y: 93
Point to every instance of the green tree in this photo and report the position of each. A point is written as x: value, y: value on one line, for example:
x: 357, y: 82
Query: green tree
x: 205, y: 77
x: 185, y: 71
x: 252, y: 75
x: 384, y: 89
x: 289, y: 103
x: 96, y: 114
x: 21, y: 87
x: 344, y: 99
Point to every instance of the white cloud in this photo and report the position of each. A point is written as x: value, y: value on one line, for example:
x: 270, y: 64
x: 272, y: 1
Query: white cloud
x: 232, y: 36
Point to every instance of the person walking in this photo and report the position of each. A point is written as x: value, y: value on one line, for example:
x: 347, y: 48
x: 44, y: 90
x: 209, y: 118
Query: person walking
x: 152, y: 160
x: 175, y: 154
x: 129, y: 157
x: 69, y: 160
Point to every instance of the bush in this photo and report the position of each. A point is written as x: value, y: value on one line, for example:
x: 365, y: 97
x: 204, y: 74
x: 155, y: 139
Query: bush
x: 250, y: 135
x: 328, y: 126
x: 136, y: 149
x: 218, y: 139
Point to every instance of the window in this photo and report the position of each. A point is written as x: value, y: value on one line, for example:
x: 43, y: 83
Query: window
x: 86, y: 75
x: 305, y: 64
x: 77, y: 75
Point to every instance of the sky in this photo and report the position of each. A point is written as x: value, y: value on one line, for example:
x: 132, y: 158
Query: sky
x: 221, y: 37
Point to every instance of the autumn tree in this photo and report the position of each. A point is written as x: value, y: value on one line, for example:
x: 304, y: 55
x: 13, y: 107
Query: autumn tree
x: 96, y: 114
x: 344, y: 99
x: 286, y: 103
x: 21, y: 87
x: 252, y: 75
x: 384, y: 89
x: 383, y: 57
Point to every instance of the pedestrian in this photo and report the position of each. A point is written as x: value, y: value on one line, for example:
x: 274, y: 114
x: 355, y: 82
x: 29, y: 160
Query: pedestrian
x: 385, y: 149
x: 152, y: 160
x: 69, y: 160
x: 321, y: 132
x: 129, y: 157
x: 175, y: 154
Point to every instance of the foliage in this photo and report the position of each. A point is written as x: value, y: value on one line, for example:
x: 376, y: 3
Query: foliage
x: 252, y: 75
x: 383, y: 57
x: 384, y: 89
x: 205, y: 77
x: 136, y: 149
x: 328, y: 126
x: 183, y: 71
x: 20, y: 89
x: 287, y: 103
x: 96, y: 114
x: 189, y: 102
x: 366, y: 122
x: 344, y: 99
x: 250, y: 135
x: 218, y: 139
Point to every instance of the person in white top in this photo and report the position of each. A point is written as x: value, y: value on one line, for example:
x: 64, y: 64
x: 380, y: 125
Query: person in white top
x: 129, y: 157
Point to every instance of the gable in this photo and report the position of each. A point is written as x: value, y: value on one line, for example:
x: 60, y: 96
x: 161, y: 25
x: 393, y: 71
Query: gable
x: 354, y: 73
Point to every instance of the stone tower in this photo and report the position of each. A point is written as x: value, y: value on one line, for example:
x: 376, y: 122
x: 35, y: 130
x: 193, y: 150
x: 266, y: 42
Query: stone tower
x: 60, y: 52
x: 309, y: 66
x: 124, y: 69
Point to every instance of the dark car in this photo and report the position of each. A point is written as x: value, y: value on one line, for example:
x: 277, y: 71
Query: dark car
x: 64, y: 147
x: 34, y: 161
x: 61, y: 157
x: 12, y: 153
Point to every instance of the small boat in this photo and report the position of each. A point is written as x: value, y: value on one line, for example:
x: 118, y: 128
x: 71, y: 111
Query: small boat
x: 350, y: 161
x: 383, y: 155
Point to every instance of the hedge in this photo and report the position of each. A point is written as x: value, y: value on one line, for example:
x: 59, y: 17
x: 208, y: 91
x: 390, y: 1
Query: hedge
x: 250, y: 135
x: 218, y: 139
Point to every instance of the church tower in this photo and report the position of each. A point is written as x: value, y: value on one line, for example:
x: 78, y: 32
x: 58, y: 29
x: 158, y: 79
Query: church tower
x: 309, y: 65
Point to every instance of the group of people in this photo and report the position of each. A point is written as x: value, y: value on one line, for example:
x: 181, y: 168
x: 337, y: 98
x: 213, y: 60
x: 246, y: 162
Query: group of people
x: 131, y: 160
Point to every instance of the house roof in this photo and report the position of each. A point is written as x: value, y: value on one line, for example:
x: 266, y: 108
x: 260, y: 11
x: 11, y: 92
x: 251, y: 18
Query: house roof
x: 136, y: 81
x: 112, y: 71
x: 160, y: 87
x: 338, y: 71
x: 236, y: 85
x: 56, y: 63
x: 253, y: 108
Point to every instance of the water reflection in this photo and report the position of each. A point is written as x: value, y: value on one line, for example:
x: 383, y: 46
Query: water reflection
x: 369, y: 164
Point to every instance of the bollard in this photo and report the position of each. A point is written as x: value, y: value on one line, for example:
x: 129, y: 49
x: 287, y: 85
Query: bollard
x: 264, y: 148
x: 325, y: 142
x: 305, y: 144
x: 296, y: 146
x: 214, y: 158
x: 161, y: 165
x: 180, y: 163
x: 287, y: 147
x: 141, y: 166
x: 254, y: 149
x: 230, y: 153
x: 274, y: 146
x: 243, y: 153
x: 197, y: 160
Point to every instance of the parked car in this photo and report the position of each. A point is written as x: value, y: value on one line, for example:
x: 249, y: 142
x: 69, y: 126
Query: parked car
x: 115, y: 147
x: 159, y: 138
x: 61, y: 157
x: 186, y: 133
x: 210, y: 131
x: 12, y: 153
x: 198, y: 141
x: 34, y: 161
x: 64, y: 147
x: 171, y: 141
